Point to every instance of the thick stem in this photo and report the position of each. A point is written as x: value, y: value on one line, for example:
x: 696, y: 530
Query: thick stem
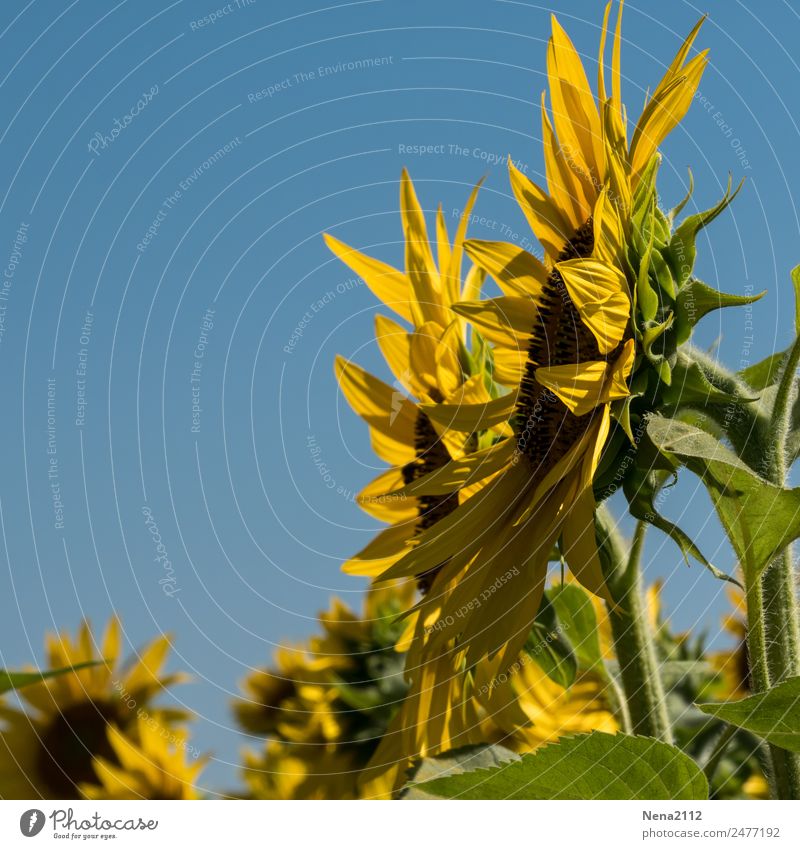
x: 773, y: 638
x: 633, y: 641
x: 779, y: 596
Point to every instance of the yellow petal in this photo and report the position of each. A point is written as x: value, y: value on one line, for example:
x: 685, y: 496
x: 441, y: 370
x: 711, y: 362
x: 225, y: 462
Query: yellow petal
x: 449, y: 375
x: 517, y: 272
x: 471, y: 418
x: 420, y: 267
x: 393, y: 340
x: 375, y: 498
x: 390, y: 414
x: 453, y: 270
x: 564, y: 180
x: 575, y: 114
x: 544, y: 216
x: 599, y: 292
x: 389, y: 284
x: 503, y: 321
x: 382, y: 551
x: 442, y: 241
x: 579, y: 385
x: 509, y: 366
x: 669, y: 103
x: 463, y: 472
x: 579, y: 545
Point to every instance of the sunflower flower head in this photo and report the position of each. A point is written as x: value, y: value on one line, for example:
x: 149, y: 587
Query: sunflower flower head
x: 323, y: 708
x: 50, y: 750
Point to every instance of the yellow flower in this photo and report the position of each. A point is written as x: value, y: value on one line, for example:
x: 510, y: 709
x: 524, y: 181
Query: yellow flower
x: 563, y: 342
x: 430, y: 364
x: 150, y: 767
x: 49, y: 751
x: 324, y: 708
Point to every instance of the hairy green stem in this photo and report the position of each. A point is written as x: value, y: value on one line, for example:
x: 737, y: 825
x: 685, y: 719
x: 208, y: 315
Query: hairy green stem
x: 718, y: 752
x: 633, y: 640
x: 781, y: 621
x: 773, y: 637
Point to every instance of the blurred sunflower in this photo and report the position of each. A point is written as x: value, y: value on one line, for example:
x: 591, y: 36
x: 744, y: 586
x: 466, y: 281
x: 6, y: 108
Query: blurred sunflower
x: 324, y: 707
x: 431, y: 364
x: 563, y: 341
x: 153, y: 767
x: 50, y: 750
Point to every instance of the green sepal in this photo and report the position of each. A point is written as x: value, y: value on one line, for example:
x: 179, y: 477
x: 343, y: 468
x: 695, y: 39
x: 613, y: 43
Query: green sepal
x: 690, y: 386
x: 695, y: 300
x: 682, y: 250
x: 678, y: 209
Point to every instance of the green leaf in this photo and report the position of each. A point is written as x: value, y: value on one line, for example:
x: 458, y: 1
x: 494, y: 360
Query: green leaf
x: 587, y: 766
x: 15, y: 680
x: 760, y: 519
x: 764, y: 373
x: 547, y: 646
x: 578, y: 621
x: 641, y: 486
x: 456, y: 762
x: 795, y: 275
x: 696, y: 300
x: 774, y: 715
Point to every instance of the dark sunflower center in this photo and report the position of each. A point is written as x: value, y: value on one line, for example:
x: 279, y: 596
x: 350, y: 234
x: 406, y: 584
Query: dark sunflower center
x: 545, y: 427
x: 68, y: 746
x: 431, y: 454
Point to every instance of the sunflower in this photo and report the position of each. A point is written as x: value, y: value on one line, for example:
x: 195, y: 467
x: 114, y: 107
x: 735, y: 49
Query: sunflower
x: 50, y: 750
x: 520, y: 708
x: 323, y: 707
x: 563, y: 343
x: 431, y: 366
x: 151, y: 767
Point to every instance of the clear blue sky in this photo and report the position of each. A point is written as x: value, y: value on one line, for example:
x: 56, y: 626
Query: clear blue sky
x: 153, y: 170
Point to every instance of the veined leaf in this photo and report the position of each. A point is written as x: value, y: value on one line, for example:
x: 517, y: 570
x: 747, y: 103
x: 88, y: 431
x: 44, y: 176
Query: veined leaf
x: 763, y: 374
x: 587, y: 766
x: 456, y: 762
x: 578, y: 620
x: 773, y: 715
x: 760, y: 519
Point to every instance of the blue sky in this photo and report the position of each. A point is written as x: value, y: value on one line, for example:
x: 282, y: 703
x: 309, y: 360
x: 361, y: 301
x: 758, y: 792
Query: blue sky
x: 165, y: 180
